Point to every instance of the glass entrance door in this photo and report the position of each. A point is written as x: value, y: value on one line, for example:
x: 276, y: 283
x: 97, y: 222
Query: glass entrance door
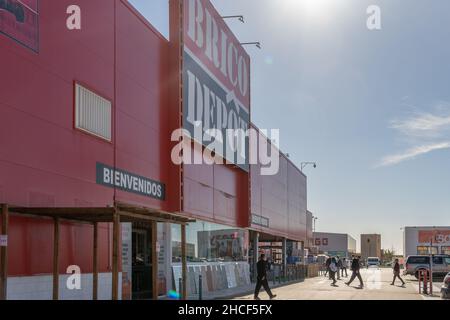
x: 142, y: 264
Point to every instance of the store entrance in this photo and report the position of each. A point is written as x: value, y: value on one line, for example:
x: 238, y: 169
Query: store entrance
x: 141, y: 262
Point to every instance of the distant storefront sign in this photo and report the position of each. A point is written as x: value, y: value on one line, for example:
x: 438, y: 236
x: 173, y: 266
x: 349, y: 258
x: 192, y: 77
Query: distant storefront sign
x: 341, y: 254
x: 126, y: 181
x: 325, y: 241
x: 436, y: 236
x: 317, y: 242
x: 19, y: 20
x: 260, y: 221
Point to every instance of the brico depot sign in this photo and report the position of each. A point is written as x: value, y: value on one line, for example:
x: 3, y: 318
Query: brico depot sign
x: 216, y: 83
x: 19, y: 20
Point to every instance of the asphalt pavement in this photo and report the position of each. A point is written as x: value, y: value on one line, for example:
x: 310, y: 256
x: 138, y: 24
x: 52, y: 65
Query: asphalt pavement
x: 377, y: 286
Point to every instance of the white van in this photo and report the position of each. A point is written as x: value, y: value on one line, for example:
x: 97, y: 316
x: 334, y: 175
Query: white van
x: 373, y: 262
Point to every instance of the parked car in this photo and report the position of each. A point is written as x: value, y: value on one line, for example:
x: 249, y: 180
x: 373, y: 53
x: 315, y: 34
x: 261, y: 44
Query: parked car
x: 445, y: 290
x: 373, y: 262
x: 414, y: 264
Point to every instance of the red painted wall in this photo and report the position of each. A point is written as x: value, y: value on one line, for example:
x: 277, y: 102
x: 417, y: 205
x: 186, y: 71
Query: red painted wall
x: 44, y: 161
x: 142, y: 102
x: 216, y: 193
x: 31, y: 246
x: 281, y: 198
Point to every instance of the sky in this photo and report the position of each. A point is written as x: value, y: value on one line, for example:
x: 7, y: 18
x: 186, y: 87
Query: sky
x: 372, y: 108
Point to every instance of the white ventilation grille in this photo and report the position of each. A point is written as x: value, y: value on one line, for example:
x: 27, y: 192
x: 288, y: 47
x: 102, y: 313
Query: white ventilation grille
x: 92, y: 113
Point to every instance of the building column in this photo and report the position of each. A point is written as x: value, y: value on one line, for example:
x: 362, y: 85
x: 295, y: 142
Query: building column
x: 4, y: 253
x: 183, y: 263
x: 95, y: 264
x: 284, y: 256
x: 115, y: 256
x: 255, y: 254
x: 56, y: 259
x: 155, y: 256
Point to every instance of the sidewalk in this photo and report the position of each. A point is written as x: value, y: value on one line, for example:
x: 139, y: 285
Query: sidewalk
x: 241, y: 291
x: 377, y: 287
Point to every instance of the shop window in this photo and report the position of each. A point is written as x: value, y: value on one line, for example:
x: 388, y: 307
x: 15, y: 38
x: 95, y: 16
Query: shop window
x: 427, y: 250
x: 445, y: 250
x: 209, y: 242
x: 92, y: 113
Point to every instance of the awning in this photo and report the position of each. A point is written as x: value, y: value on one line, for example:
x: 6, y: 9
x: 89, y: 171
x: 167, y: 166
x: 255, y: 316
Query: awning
x: 121, y: 212
x: 127, y: 213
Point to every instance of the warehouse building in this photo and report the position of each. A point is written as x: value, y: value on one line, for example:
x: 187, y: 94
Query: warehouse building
x: 334, y: 244
x: 426, y: 240
x: 370, y: 246
x: 87, y: 180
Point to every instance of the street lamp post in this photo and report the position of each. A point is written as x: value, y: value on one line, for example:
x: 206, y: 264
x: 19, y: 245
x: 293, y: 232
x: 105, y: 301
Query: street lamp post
x: 239, y: 17
x: 314, y: 224
x: 431, y: 263
x: 256, y: 44
x: 316, y: 249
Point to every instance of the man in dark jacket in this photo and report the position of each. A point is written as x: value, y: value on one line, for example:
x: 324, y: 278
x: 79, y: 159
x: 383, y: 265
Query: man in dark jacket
x: 397, y: 273
x: 355, y: 272
x: 261, y: 268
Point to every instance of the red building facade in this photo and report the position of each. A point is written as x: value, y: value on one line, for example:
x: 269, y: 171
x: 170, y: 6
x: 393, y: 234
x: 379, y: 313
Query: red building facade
x: 47, y: 162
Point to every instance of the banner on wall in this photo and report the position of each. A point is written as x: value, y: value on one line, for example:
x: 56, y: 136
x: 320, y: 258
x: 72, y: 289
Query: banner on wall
x: 435, y: 236
x: 164, y: 258
x: 19, y: 20
x: 216, y: 84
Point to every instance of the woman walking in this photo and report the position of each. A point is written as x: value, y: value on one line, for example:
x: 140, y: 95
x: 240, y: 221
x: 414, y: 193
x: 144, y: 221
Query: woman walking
x: 333, y: 270
x: 397, y: 273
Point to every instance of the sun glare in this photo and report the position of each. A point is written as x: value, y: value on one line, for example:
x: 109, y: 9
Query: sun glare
x: 310, y: 8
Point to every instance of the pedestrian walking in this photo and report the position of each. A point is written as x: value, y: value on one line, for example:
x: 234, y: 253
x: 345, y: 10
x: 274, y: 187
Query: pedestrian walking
x: 339, y: 267
x: 261, y: 268
x: 327, y: 267
x: 355, y: 267
x: 397, y: 273
x: 333, y: 270
x: 344, y: 267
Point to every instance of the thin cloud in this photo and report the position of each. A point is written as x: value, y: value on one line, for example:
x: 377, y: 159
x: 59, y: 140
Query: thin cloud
x: 421, y: 130
x: 422, y: 125
x: 412, y: 153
